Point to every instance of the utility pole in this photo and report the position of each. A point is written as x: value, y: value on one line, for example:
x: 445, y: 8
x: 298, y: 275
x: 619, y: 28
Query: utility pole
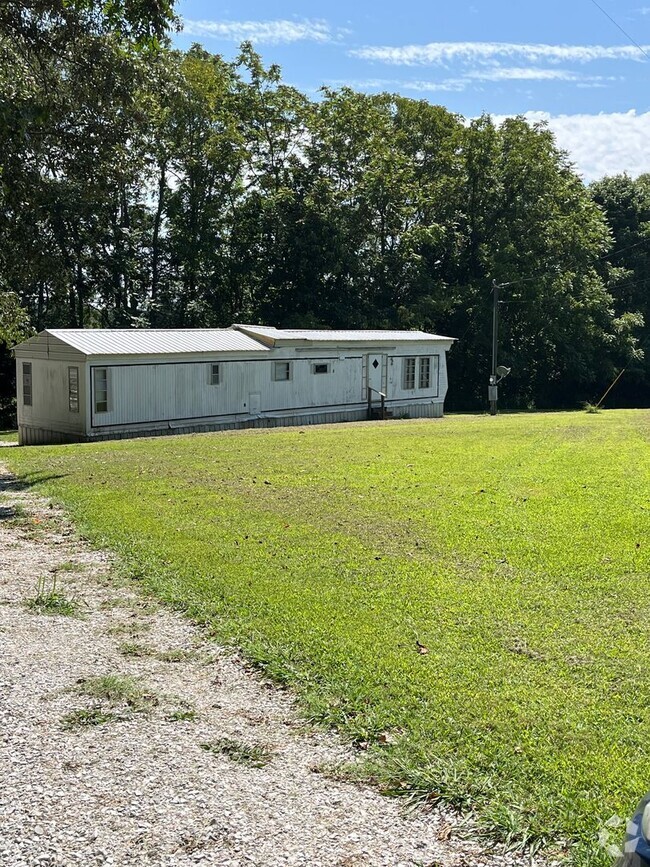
x: 493, y: 391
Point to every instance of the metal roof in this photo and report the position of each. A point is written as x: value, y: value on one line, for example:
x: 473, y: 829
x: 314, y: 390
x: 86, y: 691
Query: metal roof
x: 325, y: 336
x: 140, y: 341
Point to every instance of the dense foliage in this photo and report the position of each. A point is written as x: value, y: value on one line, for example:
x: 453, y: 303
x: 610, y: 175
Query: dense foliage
x: 142, y: 186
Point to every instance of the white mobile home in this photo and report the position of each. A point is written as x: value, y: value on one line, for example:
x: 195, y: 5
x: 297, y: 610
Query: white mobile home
x: 89, y: 384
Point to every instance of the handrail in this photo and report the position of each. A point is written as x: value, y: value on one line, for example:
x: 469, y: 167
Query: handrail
x: 382, y: 397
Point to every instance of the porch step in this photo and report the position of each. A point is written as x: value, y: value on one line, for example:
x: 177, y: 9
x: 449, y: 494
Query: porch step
x: 377, y: 414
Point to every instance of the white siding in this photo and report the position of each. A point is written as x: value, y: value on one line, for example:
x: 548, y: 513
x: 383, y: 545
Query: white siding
x: 49, y: 408
x: 178, y: 391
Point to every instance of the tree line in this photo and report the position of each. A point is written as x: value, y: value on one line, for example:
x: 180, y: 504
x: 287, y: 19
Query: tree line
x: 142, y: 186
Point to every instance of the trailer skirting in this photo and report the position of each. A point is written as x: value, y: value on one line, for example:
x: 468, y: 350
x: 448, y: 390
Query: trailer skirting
x: 28, y: 435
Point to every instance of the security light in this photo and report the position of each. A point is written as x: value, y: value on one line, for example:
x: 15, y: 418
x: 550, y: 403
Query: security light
x: 503, y: 371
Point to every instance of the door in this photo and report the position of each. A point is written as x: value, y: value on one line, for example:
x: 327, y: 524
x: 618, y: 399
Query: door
x: 254, y: 403
x: 375, y: 364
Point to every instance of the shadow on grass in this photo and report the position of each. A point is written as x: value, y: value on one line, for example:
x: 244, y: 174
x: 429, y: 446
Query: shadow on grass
x: 10, y: 483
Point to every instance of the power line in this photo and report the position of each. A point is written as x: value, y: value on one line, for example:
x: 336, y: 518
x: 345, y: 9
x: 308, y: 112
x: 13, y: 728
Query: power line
x: 624, y: 32
x: 624, y: 249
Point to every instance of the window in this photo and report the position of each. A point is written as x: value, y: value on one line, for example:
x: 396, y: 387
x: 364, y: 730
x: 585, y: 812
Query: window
x: 424, y: 368
x: 27, y: 383
x: 425, y: 373
x: 281, y: 371
x: 73, y: 389
x: 100, y: 385
x: 215, y: 374
x: 320, y: 368
x: 409, y: 374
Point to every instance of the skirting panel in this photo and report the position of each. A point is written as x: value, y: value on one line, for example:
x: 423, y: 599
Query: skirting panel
x: 41, y: 436
x: 38, y: 436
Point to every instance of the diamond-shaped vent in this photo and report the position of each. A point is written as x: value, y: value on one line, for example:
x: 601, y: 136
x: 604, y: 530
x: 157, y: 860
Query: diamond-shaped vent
x: 375, y: 364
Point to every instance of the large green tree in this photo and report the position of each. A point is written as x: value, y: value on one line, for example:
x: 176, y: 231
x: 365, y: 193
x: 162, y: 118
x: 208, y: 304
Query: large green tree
x: 626, y: 270
x: 143, y: 186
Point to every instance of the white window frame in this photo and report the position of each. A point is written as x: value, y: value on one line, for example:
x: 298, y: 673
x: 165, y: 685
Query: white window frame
x: 214, y: 375
x: 320, y: 364
x: 73, y: 389
x: 27, y: 383
x: 281, y: 371
x: 424, y: 372
x: 408, y: 374
x: 97, y: 390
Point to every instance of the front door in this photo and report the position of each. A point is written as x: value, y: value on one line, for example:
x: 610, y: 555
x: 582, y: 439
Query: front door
x: 375, y: 372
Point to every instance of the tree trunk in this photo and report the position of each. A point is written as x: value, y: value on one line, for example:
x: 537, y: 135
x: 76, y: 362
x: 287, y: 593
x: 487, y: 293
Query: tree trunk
x: 155, y: 240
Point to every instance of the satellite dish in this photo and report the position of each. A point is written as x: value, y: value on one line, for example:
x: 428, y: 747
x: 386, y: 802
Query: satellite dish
x: 503, y: 371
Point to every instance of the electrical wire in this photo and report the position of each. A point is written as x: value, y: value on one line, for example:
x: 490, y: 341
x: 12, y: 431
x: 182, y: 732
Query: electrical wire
x: 623, y: 249
x: 624, y: 32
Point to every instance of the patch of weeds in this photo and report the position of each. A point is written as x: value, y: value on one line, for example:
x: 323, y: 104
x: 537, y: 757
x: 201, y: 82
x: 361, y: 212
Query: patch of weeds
x: 175, y: 655
x: 187, y: 714
x: 591, y: 407
x: 146, y: 607
x: 69, y: 566
x: 118, y: 689
x: 338, y: 771
x: 49, y: 600
x: 143, y: 607
x: 135, y: 627
x: 132, y: 648
x: 85, y: 718
x: 250, y: 755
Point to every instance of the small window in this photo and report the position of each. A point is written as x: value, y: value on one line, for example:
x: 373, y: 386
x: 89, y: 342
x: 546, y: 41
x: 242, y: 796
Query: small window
x: 425, y: 373
x: 215, y: 374
x: 320, y: 368
x: 27, y: 383
x: 100, y: 384
x: 73, y: 389
x: 281, y: 371
x: 409, y: 374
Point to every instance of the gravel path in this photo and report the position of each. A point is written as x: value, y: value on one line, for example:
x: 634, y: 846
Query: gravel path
x: 94, y: 775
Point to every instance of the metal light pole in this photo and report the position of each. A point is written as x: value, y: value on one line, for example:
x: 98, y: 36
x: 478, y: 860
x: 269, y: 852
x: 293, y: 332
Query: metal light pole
x: 493, y: 391
x: 498, y: 370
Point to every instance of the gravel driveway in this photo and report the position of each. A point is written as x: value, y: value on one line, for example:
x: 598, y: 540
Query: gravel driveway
x: 127, y: 738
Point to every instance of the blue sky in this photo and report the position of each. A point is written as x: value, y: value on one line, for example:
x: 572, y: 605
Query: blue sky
x: 564, y: 62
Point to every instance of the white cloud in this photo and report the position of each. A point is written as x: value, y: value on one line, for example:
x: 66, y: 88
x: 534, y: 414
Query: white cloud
x: 452, y: 85
x: 449, y: 85
x: 601, y: 144
x: 472, y: 78
x: 445, y: 52
x: 517, y: 73
x: 268, y: 32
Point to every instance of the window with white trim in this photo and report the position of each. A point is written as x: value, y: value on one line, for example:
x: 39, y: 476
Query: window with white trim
x: 319, y: 367
x: 409, y: 374
x: 73, y: 389
x: 419, y: 373
x: 27, y: 383
x: 425, y: 372
x: 215, y: 374
x: 281, y: 371
x: 100, y: 388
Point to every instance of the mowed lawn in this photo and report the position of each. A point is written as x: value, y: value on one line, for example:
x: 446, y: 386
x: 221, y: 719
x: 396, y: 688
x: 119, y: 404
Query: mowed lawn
x: 466, y: 598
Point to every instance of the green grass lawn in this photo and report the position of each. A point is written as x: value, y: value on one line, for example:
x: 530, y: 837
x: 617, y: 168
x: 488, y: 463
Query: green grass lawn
x: 514, y: 549
x: 9, y: 436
